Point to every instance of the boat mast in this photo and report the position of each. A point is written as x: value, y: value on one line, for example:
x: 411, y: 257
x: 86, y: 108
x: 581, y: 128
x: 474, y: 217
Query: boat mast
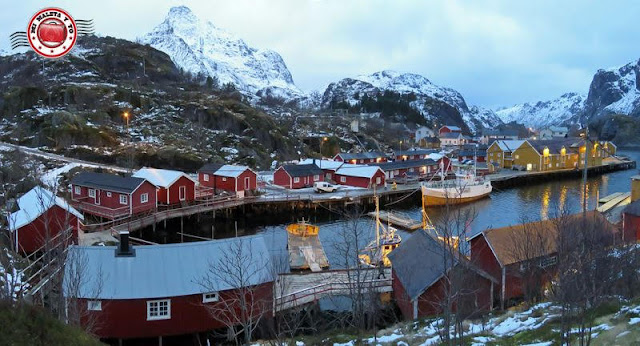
x: 475, y: 160
x: 377, y: 222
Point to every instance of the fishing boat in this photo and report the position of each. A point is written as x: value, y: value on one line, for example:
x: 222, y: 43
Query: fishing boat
x: 466, y: 187
x: 375, y: 254
x: 305, y: 249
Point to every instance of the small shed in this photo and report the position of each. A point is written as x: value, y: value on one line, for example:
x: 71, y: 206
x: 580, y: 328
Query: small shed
x: 360, y: 176
x: 231, y: 178
x: 41, y: 218
x: 173, y: 186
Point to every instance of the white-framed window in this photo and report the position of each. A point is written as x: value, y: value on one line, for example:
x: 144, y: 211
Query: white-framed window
x: 205, y: 177
x: 92, y: 193
x: 77, y: 190
x: 343, y: 179
x: 108, y: 194
x: 158, y: 309
x: 316, y: 177
x: 296, y: 179
x: 224, y: 178
x: 210, y: 297
x: 94, y: 305
x: 378, y: 180
x: 144, y: 198
x: 123, y: 199
x: 411, y: 169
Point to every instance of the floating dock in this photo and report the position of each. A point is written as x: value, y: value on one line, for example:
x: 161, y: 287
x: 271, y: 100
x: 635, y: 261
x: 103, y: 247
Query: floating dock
x: 305, y: 249
x: 398, y: 220
x: 614, y: 200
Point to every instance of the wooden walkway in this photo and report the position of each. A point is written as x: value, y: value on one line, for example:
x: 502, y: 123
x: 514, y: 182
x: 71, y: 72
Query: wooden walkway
x: 296, y: 289
x: 614, y: 200
x: 398, y: 220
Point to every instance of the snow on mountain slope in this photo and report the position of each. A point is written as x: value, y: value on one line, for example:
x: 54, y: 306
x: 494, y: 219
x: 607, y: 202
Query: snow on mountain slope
x: 614, y: 90
x: 430, y: 98
x: 544, y: 113
x: 198, y: 46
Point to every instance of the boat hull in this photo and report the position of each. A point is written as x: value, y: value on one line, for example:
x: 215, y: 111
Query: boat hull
x: 455, y: 195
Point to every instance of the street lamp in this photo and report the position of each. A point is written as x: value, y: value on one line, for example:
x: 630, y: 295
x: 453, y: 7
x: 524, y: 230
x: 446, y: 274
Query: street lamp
x: 130, y: 158
x: 324, y: 139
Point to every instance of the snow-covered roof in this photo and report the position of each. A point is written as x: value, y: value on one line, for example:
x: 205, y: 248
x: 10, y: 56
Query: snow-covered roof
x: 34, y: 203
x: 359, y: 171
x: 451, y: 127
x: 510, y: 145
x: 231, y: 171
x: 160, y: 177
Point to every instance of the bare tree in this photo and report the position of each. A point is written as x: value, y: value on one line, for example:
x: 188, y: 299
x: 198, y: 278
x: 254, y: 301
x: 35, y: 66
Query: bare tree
x: 247, y: 301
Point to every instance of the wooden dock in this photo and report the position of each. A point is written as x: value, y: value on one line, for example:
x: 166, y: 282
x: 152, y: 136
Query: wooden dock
x: 398, y: 220
x: 306, y: 253
x: 614, y: 200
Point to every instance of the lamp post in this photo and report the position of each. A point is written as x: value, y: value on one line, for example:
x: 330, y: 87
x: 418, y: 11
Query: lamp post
x: 324, y: 139
x: 129, y: 154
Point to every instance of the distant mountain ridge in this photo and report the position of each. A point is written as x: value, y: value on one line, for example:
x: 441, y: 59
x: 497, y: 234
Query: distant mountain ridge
x: 544, y: 113
x: 614, y: 91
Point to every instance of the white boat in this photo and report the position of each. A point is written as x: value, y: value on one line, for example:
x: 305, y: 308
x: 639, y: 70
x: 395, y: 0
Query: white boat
x: 466, y: 187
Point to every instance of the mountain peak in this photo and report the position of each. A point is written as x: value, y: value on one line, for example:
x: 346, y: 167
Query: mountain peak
x: 199, y: 47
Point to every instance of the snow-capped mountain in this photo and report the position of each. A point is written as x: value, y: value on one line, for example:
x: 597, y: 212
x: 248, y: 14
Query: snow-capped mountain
x: 198, y: 46
x: 436, y: 103
x: 614, y: 91
x: 544, y: 113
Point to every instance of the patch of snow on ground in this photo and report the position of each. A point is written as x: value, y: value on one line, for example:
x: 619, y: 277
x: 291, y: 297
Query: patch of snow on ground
x: 634, y: 320
x: 387, y: 338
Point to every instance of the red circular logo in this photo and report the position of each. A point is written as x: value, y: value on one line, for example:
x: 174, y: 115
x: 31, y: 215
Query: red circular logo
x: 52, y: 32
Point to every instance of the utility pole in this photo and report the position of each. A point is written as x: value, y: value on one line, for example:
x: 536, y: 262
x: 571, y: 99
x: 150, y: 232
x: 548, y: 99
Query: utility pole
x: 584, y: 171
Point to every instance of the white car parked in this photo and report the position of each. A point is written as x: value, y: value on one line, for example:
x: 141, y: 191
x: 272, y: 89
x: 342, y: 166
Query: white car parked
x: 323, y: 186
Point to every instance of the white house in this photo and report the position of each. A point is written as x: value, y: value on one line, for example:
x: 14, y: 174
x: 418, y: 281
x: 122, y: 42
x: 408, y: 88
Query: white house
x: 554, y: 132
x: 423, y: 132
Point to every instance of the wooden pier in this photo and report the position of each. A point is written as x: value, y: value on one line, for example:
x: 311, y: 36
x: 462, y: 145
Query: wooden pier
x: 398, y: 220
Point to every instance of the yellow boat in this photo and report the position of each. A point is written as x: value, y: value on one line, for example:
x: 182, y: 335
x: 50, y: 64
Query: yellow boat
x: 375, y: 254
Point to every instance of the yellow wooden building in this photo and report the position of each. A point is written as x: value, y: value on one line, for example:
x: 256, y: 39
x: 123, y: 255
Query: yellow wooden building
x: 500, y: 154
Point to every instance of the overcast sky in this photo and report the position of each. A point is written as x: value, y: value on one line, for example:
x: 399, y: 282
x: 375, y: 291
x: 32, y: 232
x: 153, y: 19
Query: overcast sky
x: 494, y: 52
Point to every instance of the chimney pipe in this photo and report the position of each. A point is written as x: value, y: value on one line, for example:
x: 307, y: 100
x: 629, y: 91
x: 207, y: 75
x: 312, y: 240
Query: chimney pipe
x: 124, y: 248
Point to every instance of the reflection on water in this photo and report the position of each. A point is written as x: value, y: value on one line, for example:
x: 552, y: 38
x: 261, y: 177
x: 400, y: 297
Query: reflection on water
x: 502, y: 208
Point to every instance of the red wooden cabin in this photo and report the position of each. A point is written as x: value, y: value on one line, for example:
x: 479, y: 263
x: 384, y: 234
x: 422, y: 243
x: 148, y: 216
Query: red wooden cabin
x: 361, y: 158
x: 449, y: 129
x: 419, y: 279
x: 631, y: 222
x: 112, y: 196
x: 360, y: 176
x: 297, y: 176
x: 173, y: 186
x: 412, y: 154
x: 153, y: 291
x: 42, y: 217
x: 407, y: 169
x: 231, y: 178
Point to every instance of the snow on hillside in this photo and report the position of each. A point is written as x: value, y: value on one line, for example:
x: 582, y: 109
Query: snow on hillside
x: 347, y: 89
x: 544, y: 113
x: 198, y: 46
x: 626, y: 84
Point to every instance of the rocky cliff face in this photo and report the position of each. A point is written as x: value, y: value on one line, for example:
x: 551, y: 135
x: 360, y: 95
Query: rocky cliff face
x: 439, y: 105
x: 544, y: 113
x: 199, y: 47
x: 614, y: 91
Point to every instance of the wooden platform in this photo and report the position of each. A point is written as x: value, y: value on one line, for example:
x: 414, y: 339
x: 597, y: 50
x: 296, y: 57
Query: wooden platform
x: 606, y: 199
x: 306, y: 253
x: 614, y: 200
x: 398, y: 220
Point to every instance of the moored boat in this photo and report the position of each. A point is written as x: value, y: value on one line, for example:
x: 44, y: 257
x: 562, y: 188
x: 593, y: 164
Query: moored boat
x: 375, y: 254
x: 305, y: 250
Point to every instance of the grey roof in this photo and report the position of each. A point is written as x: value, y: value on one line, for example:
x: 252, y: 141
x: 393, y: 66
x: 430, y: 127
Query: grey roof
x: 357, y: 156
x: 500, y: 133
x: 302, y: 170
x: 158, y: 271
x: 451, y: 135
x: 452, y: 127
x: 210, y: 167
x: 393, y: 165
x: 554, y: 145
x: 106, y: 181
x: 633, y: 208
x: 431, y: 139
x: 471, y: 153
x: 418, y: 263
x: 414, y: 152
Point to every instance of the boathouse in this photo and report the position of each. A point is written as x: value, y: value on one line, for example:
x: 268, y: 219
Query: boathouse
x: 41, y: 217
x: 112, y: 196
x: 173, y: 186
x: 449, y: 129
x: 499, y: 251
x: 153, y: 291
x: 297, y: 176
x: 231, y: 178
x: 328, y: 167
x: 360, y: 176
x: 412, y: 154
x: 420, y: 282
x: 361, y: 158
x: 631, y: 214
x: 408, y: 169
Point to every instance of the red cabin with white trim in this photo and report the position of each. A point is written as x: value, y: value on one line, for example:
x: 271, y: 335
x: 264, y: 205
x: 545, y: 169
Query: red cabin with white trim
x: 231, y: 178
x: 112, y: 196
x: 173, y: 186
x: 360, y: 176
x: 297, y: 176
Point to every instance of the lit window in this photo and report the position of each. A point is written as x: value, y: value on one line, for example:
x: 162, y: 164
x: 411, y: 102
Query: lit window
x: 144, y: 198
x: 123, y: 199
x: 343, y: 179
x: 224, y: 178
x: 108, y: 194
x: 94, y: 305
x: 92, y: 193
x: 517, y: 157
x: 210, y: 297
x: 296, y: 179
x: 158, y: 309
x: 77, y: 190
x: 205, y: 177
